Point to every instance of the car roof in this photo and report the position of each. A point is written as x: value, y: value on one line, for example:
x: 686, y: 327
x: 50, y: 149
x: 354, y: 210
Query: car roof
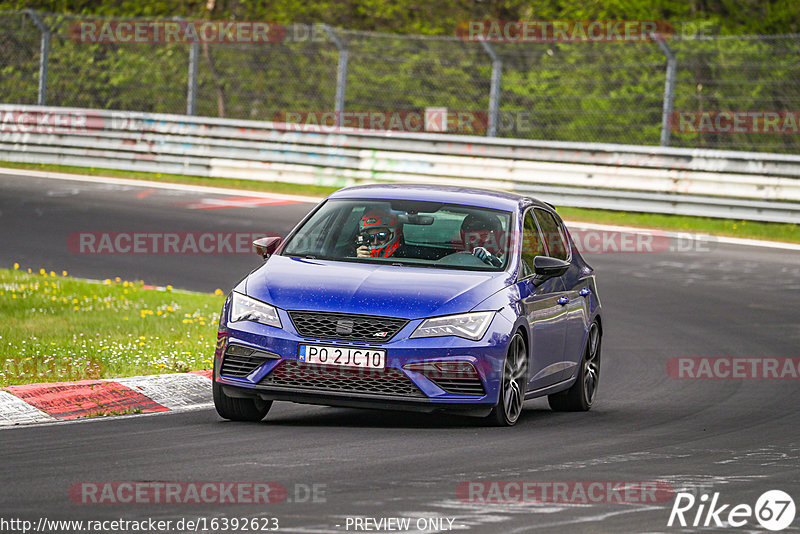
x: 469, y: 196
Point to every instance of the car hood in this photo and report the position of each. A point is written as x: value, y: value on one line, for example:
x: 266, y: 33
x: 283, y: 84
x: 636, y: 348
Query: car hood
x: 388, y: 290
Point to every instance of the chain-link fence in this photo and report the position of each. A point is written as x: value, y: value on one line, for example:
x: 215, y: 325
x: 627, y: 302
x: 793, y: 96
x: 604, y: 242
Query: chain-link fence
x: 682, y: 92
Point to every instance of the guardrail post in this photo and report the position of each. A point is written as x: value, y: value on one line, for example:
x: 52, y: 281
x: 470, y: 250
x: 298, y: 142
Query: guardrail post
x: 341, y: 71
x: 669, y: 89
x: 44, y: 56
x: 494, y: 90
x: 191, y: 91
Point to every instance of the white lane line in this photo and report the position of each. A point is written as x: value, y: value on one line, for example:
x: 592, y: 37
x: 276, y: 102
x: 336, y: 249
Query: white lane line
x: 15, y: 411
x: 155, y: 185
x: 686, y: 236
x: 314, y: 200
x: 242, y: 202
x: 92, y: 420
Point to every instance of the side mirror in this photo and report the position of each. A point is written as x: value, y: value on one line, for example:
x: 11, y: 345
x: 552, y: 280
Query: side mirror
x: 266, y: 246
x: 545, y: 267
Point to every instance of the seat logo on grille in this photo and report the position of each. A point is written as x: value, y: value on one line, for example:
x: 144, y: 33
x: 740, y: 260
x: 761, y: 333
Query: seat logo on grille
x: 380, y: 334
x: 344, y: 326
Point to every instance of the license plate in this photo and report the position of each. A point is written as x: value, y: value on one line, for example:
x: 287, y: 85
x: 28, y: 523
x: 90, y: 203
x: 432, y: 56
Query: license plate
x: 343, y: 356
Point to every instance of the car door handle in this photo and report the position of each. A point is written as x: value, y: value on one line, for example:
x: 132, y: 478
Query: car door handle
x: 585, y: 292
x: 563, y: 300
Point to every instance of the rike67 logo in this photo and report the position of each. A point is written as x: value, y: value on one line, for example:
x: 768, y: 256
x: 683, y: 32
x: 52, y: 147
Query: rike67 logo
x: 774, y: 510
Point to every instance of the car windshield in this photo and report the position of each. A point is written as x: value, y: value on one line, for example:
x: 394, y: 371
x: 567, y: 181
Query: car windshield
x: 405, y: 232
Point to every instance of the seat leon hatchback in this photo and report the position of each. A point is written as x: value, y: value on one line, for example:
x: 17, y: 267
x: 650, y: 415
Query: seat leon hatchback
x: 414, y: 297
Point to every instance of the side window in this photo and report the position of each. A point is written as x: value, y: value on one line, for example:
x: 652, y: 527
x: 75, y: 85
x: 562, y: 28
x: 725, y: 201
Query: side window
x: 553, y: 235
x: 532, y: 245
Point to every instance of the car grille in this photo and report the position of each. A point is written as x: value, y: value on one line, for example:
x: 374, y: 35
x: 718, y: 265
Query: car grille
x: 460, y: 386
x: 388, y: 382
x: 238, y: 363
x: 346, y: 326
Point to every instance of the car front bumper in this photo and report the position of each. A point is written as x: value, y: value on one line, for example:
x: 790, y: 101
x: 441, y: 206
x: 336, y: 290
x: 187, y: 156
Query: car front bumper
x: 283, y: 377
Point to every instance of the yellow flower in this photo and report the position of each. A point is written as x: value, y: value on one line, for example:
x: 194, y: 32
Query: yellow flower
x: 218, y: 291
x: 75, y: 308
x: 16, y: 266
x: 118, y: 279
x: 43, y: 272
x: 63, y: 273
x: 169, y: 288
x: 52, y: 273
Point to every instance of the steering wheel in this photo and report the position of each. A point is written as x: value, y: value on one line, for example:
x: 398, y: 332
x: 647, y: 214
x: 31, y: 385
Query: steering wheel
x: 487, y: 257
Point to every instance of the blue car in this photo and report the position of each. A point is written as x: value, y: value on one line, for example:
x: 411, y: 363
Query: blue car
x: 414, y: 297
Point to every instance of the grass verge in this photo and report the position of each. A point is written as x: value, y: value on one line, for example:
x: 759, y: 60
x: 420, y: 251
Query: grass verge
x: 54, y: 328
x: 705, y: 225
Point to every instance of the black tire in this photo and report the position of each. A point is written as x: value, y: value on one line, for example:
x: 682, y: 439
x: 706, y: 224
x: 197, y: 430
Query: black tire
x: 581, y: 396
x: 512, y: 386
x: 237, y: 409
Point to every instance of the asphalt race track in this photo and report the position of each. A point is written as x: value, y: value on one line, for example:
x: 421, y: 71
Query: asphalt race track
x: 736, y: 437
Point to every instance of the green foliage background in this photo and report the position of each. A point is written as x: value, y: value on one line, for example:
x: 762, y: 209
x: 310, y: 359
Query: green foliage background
x: 586, y: 92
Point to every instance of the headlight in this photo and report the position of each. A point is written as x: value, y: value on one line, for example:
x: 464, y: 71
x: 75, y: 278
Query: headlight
x: 244, y: 308
x: 467, y: 325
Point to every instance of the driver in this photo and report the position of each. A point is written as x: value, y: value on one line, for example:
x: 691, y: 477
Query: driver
x: 480, y: 235
x: 380, y: 235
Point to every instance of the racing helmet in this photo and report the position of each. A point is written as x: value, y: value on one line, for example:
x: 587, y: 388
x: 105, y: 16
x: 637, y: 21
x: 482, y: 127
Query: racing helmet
x: 382, y: 231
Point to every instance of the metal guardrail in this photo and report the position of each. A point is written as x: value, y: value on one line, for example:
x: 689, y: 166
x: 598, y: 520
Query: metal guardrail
x: 739, y: 185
